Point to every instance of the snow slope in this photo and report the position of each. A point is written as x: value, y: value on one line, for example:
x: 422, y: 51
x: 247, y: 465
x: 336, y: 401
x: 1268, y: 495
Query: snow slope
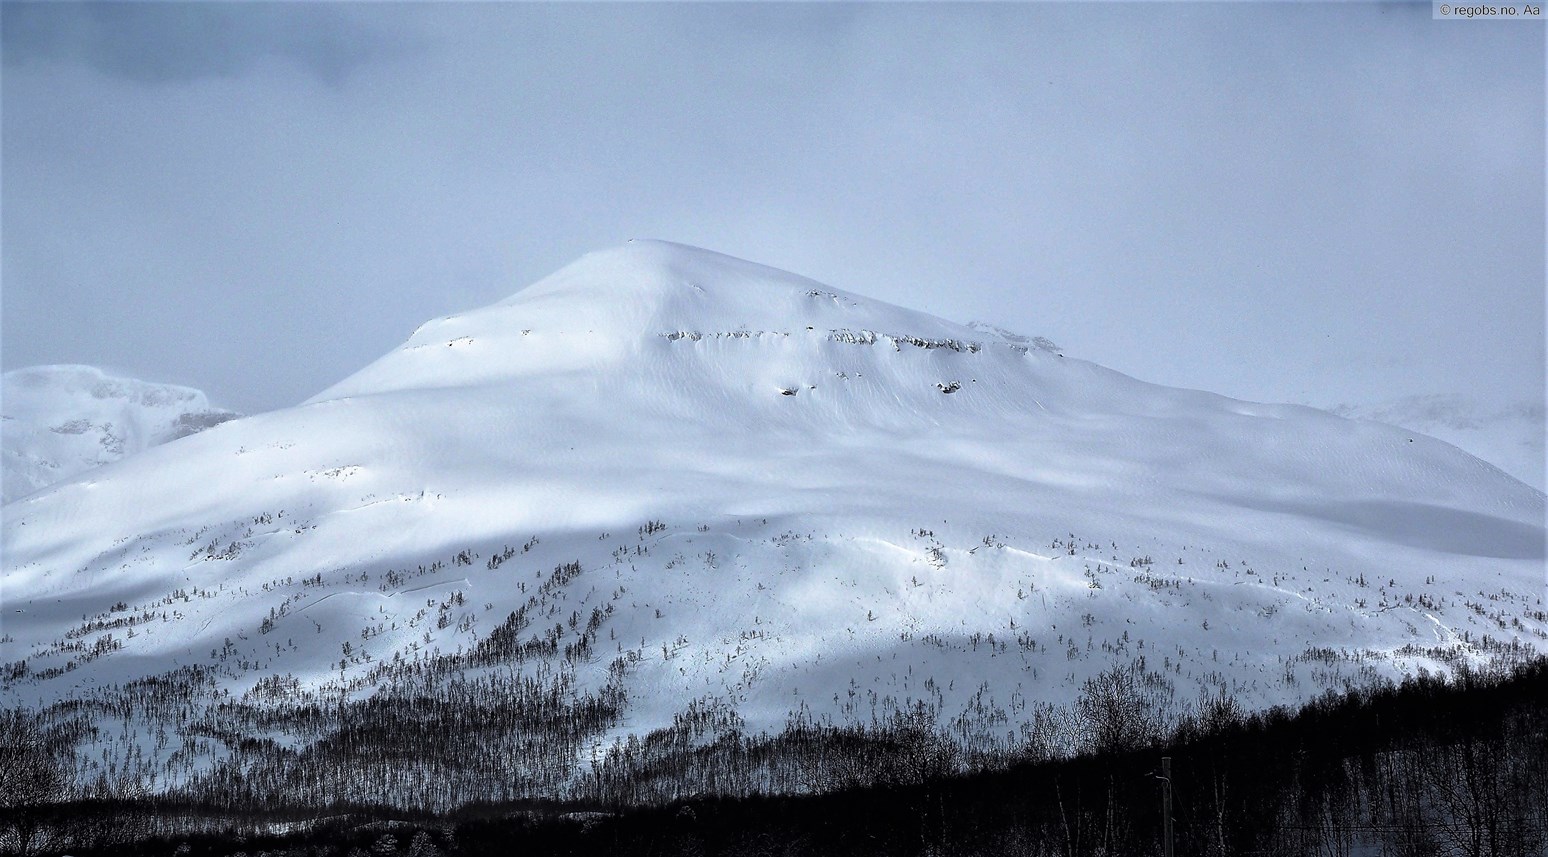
x: 1508, y: 436
x: 778, y: 494
x: 61, y: 420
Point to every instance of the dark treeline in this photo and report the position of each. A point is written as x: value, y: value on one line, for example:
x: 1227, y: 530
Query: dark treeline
x: 1425, y: 767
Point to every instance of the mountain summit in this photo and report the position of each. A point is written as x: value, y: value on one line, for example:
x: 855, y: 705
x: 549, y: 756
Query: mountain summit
x: 628, y: 304
x: 663, y: 481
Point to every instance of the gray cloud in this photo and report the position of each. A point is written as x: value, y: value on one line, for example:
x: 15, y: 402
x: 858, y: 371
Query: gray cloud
x: 183, y: 41
x: 1314, y: 202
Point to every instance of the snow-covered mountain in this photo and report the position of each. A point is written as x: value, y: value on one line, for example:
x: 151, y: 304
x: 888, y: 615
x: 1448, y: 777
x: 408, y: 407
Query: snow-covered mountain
x: 58, y: 421
x: 691, y: 477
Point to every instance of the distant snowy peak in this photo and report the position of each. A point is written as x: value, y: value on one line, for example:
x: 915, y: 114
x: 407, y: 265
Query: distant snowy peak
x: 1441, y: 410
x: 1509, y: 436
x: 61, y: 420
x: 609, y: 307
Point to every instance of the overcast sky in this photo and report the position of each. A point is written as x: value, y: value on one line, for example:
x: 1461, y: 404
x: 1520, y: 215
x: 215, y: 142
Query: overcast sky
x: 1303, y: 202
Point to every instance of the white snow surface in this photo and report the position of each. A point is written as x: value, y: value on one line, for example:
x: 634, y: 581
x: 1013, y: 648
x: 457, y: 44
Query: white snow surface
x: 1508, y: 435
x: 861, y: 503
x: 57, y: 421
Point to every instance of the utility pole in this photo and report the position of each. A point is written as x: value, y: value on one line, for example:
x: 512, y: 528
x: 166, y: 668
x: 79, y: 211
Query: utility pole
x: 1166, y: 803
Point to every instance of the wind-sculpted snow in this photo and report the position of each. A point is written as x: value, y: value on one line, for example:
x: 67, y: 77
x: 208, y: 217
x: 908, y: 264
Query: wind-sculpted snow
x: 664, y: 479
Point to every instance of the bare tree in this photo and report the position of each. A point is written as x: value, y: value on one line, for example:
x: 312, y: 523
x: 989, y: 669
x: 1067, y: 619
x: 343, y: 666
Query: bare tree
x: 33, y: 774
x: 1119, y: 713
